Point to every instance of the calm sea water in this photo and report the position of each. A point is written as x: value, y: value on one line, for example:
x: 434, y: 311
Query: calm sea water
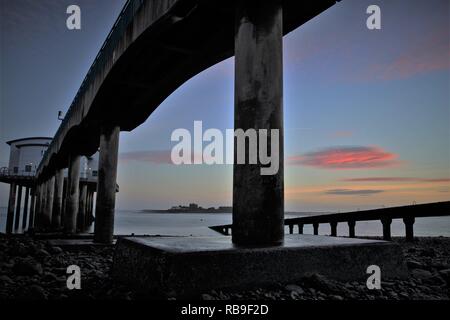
x: 196, y: 224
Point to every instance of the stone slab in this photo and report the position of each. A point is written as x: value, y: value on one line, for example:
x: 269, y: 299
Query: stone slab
x: 182, y: 266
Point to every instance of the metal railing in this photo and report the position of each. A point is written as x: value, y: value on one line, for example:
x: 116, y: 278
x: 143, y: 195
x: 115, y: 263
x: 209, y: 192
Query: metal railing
x: 385, y: 215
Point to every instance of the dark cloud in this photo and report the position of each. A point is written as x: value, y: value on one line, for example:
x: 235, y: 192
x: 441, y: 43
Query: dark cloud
x: 351, y: 192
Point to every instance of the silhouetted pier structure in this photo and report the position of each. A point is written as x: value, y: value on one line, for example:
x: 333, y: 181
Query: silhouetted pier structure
x: 385, y: 215
x: 153, y: 48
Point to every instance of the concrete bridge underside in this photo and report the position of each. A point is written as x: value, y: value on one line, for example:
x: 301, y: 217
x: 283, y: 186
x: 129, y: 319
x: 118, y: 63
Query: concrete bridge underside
x: 155, y: 46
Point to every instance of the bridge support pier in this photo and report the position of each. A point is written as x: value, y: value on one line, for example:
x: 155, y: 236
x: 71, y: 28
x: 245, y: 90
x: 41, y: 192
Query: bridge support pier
x: 106, y: 185
x: 37, y: 207
x: 32, y: 208
x: 409, y: 228
x: 351, y: 228
x: 81, y: 223
x: 258, y: 200
x: 300, y: 229
x: 18, y: 208
x: 48, y: 209
x: 25, y: 208
x: 316, y: 228
x: 11, y: 208
x: 72, y: 196
x: 333, y: 226
x: 58, y: 197
x: 386, y: 228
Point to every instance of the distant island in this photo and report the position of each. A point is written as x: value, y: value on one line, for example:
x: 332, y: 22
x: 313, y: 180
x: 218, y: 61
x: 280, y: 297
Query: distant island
x: 192, y: 208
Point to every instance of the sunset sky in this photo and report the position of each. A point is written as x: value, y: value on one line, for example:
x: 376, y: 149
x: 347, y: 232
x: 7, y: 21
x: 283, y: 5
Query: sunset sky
x: 367, y: 112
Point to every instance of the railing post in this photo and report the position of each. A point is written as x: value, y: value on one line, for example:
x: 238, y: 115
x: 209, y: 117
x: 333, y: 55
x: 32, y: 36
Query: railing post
x: 316, y: 228
x: 351, y: 228
x: 333, y: 226
x: 300, y: 228
x: 11, y: 207
x: 258, y: 199
x: 409, y: 228
x: 386, y: 228
x: 106, y: 184
x: 18, y: 208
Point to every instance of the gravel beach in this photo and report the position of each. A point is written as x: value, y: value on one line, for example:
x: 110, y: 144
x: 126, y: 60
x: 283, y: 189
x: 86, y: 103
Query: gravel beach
x: 33, y: 269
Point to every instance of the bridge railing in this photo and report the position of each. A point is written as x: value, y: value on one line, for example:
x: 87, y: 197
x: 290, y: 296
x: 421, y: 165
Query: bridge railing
x: 125, y: 17
x: 384, y: 215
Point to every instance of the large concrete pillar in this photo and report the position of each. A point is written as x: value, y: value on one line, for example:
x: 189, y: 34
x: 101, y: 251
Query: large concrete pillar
x: 106, y: 184
x: 71, y: 211
x: 43, y: 205
x: 11, y: 208
x: 258, y: 200
x: 409, y: 228
x: 37, y: 209
x: 25, y: 208
x: 58, y: 199
x: 48, y: 209
x: 81, y: 219
x: 18, y: 208
x: 32, y: 208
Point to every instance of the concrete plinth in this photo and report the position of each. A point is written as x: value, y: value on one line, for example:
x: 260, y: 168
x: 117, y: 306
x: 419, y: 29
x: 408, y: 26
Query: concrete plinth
x: 181, y: 266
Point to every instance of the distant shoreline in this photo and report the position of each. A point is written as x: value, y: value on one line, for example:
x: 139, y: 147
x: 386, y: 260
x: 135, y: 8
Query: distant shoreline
x: 209, y: 211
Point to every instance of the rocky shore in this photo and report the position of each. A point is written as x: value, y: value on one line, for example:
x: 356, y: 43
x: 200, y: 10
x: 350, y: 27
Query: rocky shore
x: 34, y: 269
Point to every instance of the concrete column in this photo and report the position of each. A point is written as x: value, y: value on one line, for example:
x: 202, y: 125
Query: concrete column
x: 81, y: 219
x: 386, y: 228
x: 32, y: 208
x: 58, y: 199
x: 25, y: 208
x: 333, y: 226
x: 258, y: 200
x: 409, y: 228
x: 291, y: 229
x: 72, y: 197
x: 351, y: 228
x: 106, y: 184
x: 37, y: 208
x: 48, y: 211
x: 63, y: 209
x: 43, y: 205
x: 300, y: 228
x: 11, y: 207
x: 316, y: 228
x: 18, y: 208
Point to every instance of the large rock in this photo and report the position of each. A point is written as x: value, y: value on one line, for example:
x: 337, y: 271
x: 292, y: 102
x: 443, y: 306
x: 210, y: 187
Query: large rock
x: 26, y: 267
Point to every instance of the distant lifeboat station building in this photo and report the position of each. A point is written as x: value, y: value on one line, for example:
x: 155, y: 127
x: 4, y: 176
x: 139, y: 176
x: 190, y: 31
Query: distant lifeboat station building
x: 24, y: 159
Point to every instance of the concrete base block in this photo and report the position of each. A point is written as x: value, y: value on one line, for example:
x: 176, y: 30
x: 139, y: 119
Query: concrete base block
x: 181, y: 266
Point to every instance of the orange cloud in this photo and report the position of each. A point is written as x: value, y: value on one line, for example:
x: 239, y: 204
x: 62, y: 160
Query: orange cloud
x: 346, y: 157
x: 396, y: 179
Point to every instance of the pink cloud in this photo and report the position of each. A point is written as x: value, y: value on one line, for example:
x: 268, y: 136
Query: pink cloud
x: 430, y: 53
x: 341, y: 134
x: 151, y: 156
x: 346, y: 157
x: 396, y: 179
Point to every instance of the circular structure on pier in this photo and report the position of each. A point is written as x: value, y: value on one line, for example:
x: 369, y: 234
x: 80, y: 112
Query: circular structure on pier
x: 26, y: 154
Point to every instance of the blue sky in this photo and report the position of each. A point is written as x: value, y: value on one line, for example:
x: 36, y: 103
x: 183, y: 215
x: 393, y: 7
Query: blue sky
x: 367, y: 112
